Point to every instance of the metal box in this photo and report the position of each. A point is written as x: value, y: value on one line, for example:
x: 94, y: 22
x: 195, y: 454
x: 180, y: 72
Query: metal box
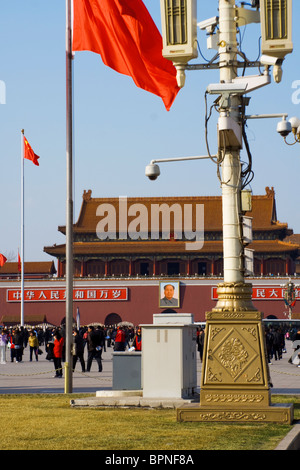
x: 169, y: 360
x: 127, y: 370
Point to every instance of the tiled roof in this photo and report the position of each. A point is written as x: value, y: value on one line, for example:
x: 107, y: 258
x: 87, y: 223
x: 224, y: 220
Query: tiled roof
x: 38, y: 267
x: 273, y: 246
x: 263, y: 211
x: 263, y: 214
x: 165, y: 247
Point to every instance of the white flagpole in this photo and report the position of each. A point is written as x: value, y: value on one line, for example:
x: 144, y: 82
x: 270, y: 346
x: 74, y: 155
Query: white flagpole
x: 22, y: 228
x: 69, y: 201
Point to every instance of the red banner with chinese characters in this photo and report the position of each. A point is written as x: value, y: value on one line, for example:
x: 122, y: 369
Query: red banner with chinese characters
x: 59, y: 294
x: 263, y: 293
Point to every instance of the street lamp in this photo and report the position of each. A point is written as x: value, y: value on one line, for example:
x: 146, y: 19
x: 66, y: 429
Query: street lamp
x: 276, y: 27
x: 276, y: 33
x: 179, y: 27
x: 234, y: 368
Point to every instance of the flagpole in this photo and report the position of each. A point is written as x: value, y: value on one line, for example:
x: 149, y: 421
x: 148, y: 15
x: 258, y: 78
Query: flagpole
x: 69, y: 201
x: 22, y: 228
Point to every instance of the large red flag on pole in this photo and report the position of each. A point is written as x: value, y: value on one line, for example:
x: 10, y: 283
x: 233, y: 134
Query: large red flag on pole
x: 126, y: 37
x: 2, y: 260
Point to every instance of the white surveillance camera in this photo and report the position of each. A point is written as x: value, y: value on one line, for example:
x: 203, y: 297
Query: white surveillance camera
x: 225, y: 88
x: 209, y: 24
x: 152, y: 171
x: 270, y: 60
x: 284, y: 128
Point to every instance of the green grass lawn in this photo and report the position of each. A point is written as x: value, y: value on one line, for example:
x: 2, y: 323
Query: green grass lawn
x: 48, y: 422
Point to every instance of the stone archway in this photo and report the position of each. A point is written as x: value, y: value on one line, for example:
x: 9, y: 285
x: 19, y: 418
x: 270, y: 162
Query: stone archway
x: 112, y: 319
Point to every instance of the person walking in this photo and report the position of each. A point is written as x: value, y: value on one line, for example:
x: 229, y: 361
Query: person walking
x: 200, y: 341
x: 18, y: 342
x: 120, y: 340
x: 79, y: 350
x: 3, y: 343
x: 277, y: 344
x: 33, y: 345
x: 94, y: 349
x: 269, y: 344
x: 137, y: 340
x: 11, y: 346
x: 57, y: 353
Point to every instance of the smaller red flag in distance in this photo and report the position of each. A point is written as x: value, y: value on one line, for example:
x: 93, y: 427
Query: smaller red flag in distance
x: 29, y: 153
x: 19, y: 263
x: 2, y: 260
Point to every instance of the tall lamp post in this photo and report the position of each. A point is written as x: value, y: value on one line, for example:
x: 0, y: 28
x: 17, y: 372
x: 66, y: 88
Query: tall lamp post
x: 235, y: 381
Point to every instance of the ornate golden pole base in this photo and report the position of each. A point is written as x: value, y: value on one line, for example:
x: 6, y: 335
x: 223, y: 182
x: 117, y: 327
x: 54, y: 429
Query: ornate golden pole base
x: 235, y: 380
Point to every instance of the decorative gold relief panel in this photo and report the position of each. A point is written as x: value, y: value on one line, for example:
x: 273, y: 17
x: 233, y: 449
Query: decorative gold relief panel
x: 233, y: 355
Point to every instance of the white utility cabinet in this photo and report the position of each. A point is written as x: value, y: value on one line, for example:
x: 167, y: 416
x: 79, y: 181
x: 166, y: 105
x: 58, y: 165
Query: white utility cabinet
x: 169, y: 356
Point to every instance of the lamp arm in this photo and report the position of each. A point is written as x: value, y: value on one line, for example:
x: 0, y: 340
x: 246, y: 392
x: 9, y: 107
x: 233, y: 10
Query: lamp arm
x: 177, y: 159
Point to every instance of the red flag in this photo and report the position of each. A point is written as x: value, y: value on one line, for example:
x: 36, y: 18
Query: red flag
x: 126, y: 37
x: 19, y: 262
x: 2, y: 260
x: 29, y: 153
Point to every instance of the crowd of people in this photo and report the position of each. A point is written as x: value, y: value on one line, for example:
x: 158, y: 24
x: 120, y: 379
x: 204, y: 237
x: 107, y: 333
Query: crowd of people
x: 94, y: 339
x: 276, y: 337
x: 275, y: 343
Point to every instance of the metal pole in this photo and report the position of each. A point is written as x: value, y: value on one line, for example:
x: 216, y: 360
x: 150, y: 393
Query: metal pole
x: 22, y: 229
x: 69, y: 202
x: 231, y: 166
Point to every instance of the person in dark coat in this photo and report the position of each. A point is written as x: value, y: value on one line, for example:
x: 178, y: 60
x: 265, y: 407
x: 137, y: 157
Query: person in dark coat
x: 278, y: 343
x: 18, y: 342
x: 200, y: 341
x: 94, y: 348
x: 269, y: 344
x: 79, y: 350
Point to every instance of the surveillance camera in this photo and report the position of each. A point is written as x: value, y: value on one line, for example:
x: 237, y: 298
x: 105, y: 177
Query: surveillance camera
x: 284, y: 128
x: 152, y: 171
x: 209, y: 24
x: 270, y: 60
x: 223, y: 88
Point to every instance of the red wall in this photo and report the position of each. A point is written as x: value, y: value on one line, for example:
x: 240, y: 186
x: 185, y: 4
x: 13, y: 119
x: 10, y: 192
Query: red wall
x: 142, y: 303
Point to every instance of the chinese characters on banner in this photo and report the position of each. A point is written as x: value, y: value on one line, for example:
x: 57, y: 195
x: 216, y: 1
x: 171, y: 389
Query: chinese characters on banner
x: 263, y: 293
x: 59, y: 294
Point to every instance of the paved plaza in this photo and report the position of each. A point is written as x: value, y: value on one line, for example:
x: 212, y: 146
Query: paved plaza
x: 37, y: 377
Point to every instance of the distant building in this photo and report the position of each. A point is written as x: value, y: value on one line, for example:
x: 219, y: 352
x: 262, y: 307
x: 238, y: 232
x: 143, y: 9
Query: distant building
x: 167, y: 255
x: 32, y: 270
x: 126, y: 248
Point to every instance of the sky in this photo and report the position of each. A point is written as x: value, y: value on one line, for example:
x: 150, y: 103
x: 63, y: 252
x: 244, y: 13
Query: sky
x: 119, y: 128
